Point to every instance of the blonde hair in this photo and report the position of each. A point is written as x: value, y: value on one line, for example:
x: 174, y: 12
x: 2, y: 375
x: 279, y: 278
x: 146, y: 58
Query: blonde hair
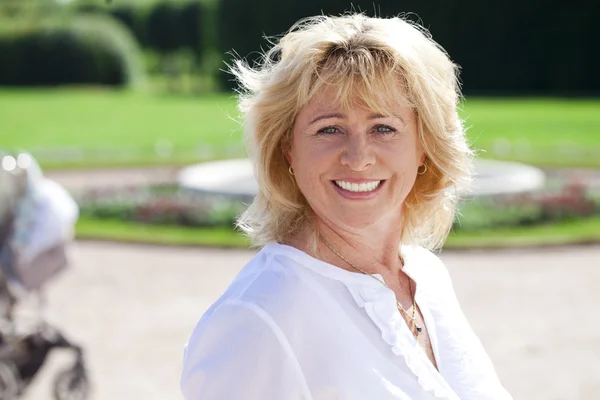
x: 378, y: 62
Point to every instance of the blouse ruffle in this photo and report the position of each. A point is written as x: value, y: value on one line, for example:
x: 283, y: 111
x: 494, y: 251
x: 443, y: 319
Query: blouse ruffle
x: 380, y: 305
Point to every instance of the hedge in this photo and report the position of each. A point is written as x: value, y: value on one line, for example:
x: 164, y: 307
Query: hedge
x: 162, y: 25
x: 507, y: 47
x: 83, y: 50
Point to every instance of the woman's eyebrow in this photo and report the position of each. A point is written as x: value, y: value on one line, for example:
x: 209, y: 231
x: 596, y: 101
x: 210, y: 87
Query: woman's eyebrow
x: 327, y: 116
x: 377, y: 116
x: 343, y: 116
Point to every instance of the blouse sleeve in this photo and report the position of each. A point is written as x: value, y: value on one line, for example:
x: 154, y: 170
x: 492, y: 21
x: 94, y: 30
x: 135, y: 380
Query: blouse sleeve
x: 239, y: 352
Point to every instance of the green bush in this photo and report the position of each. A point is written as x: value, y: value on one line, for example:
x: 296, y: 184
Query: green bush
x: 130, y: 15
x: 503, y: 47
x: 162, y: 25
x: 190, y: 16
x: 84, y: 50
x: 242, y: 24
x: 163, y: 29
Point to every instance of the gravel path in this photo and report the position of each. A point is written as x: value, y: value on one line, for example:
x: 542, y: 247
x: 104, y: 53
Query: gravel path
x: 100, y: 178
x: 132, y: 307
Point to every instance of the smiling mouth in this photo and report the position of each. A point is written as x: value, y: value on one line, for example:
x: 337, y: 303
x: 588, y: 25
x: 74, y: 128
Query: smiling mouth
x: 359, y: 187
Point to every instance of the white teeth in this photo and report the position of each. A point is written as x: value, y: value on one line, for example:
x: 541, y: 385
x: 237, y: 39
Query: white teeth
x: 358, y: 187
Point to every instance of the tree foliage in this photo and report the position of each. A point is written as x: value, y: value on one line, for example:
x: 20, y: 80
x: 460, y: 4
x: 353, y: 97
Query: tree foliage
x: 86, y: 50
x: 542, y: 47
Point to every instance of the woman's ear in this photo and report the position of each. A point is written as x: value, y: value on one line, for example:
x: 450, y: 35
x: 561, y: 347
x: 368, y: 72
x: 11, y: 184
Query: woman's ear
x: 287, y: 152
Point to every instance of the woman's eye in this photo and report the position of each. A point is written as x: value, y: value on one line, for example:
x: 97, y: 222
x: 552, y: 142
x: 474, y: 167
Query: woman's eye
x: 328, y: 130
x: 384, y: 129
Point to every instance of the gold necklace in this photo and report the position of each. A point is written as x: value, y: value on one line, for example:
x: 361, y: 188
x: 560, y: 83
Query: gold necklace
x: 415, y: 328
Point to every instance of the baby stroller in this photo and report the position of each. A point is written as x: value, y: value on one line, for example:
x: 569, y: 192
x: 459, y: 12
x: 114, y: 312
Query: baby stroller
x: 33, y: 238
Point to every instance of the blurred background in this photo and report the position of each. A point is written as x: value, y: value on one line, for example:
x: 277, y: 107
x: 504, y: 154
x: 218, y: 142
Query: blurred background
x: 125, y: 105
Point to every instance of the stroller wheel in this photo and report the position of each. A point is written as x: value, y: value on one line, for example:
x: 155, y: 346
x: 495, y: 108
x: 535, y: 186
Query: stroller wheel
x: 9, y: 381
x: 71, y: 384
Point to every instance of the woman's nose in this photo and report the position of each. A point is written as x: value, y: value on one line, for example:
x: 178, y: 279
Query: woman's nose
x: 357, y: 154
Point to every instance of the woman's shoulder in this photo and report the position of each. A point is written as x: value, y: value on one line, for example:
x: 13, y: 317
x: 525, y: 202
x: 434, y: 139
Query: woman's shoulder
x: 269, y: 272
x: 269, y: 281
x: 265, y: 298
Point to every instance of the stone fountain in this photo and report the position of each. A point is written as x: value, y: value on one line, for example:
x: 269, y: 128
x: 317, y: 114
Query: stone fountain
x: 235, y: 178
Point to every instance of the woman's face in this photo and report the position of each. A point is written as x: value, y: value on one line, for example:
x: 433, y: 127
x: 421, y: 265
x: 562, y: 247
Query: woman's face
x: 354, y: 166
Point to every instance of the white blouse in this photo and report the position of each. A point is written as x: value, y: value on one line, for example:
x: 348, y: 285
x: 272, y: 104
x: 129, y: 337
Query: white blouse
x: 291, y: 326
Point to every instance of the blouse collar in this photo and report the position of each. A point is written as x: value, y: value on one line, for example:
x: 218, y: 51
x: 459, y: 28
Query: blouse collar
x: 331, y: 271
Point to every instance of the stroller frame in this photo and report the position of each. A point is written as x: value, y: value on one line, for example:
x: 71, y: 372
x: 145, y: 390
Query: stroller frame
x: 25, y: 346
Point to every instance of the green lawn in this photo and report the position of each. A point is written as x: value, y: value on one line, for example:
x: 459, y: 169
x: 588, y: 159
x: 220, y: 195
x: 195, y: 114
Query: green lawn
x: 158, y: 234
x: 554, y: 132
x: 569, y: 232
x: 115, y: 128
x: 122, y: 128
x: 559, y: 233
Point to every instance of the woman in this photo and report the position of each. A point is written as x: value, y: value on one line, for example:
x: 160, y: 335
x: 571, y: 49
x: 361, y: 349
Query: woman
x: 359, y: 153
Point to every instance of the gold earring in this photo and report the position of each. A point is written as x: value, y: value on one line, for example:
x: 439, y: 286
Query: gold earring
x: 419, y: 172
x: 290, y: 170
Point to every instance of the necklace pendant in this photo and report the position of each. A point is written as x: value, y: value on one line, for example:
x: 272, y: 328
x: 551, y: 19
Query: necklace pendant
x: 419, y: 330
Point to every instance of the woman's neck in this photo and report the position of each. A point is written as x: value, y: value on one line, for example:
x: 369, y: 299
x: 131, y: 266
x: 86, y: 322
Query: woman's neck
x: 373, y: 250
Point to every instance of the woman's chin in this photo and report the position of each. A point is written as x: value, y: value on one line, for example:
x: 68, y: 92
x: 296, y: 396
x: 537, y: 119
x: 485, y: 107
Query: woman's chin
x: 354, y: 220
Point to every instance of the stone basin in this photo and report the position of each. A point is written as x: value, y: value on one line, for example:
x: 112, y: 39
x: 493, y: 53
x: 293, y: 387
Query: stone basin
x: 234, y: 178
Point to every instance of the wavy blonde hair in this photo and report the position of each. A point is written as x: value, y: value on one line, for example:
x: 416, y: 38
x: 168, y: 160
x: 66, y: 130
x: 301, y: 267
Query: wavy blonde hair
x: 380, y: 63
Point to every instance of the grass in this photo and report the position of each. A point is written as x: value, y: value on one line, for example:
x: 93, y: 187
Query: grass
x: 158, y: 234
x: 114, y: 128
x: 548, y: 132
x: 571, y: 232
x: 63, y: 118
x: 560, y: 233
x: 97, y: 128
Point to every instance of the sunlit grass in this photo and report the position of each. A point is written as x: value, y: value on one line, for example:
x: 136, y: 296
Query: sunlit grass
x: 116, y: 230
x: 87, y: 127
x: 567, y: 232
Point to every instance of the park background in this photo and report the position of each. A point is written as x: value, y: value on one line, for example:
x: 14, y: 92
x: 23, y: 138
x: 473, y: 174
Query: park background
x: 112, y: 98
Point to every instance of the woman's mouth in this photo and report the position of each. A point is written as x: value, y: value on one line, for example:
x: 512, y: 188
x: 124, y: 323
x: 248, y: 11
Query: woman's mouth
x: 363, y: 187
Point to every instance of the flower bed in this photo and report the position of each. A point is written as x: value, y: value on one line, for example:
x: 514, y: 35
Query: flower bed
x: 168, y: 205
x: 564, y: 201
x: 161, y: 205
